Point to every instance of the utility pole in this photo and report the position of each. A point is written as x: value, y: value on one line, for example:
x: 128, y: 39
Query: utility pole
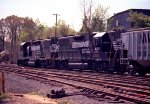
x: 56, y: 24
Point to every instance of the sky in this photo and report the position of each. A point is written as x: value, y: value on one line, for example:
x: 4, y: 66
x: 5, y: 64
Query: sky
x: 69, y: 10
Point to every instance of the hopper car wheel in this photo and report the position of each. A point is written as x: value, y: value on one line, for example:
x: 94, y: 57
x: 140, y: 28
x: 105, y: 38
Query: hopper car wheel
x: 141, y: 73
x: 131, y: 70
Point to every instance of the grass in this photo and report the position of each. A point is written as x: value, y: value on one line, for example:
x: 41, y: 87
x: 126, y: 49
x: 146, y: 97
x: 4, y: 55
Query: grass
x: 3, y: 96
x: 65, y: 102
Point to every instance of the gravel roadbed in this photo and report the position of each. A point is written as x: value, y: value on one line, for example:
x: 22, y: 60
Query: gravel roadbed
x: 20, y: 85
x: 16, y: 84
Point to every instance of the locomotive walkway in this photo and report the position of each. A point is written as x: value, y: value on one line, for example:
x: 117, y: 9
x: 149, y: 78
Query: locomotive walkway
x: 96, y: 85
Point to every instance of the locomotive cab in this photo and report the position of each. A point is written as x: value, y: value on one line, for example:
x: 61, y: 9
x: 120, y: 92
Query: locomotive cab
x: 25, y: 53
x: 109, y: 55
x: 36, y: 53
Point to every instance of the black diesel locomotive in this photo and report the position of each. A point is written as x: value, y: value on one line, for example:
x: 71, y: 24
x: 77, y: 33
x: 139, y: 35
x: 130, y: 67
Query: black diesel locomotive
x: 103, y: 51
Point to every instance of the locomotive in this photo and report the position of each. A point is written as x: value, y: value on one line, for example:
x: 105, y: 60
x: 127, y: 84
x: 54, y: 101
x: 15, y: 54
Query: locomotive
x: 105, y: 52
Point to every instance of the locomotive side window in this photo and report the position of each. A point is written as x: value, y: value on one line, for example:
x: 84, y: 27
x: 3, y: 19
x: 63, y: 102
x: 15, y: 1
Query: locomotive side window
x: 97, y: 42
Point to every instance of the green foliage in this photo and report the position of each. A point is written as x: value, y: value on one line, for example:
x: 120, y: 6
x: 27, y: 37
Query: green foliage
x: 3, y: 96
x: 85, y: 28
x: 94, y: 20
x: 109, y: 23
x: 99, y: 18
x: 29, y: 27
x: 43, y: 31
x: 39, y: 31
x: 64, y: 29
x: 139, y: 20
x: 23, y: 36
x: 20, y: 29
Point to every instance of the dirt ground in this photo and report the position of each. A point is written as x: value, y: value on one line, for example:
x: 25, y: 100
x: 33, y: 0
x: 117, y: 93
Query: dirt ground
x: 26, y: 99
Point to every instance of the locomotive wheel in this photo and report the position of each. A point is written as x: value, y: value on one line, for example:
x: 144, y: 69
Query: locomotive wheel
x: 43, y: 64
x: 57, y: 64
x: 25, y: 63
x: 37, y: 64
x: 96, y: 66
x: 65, y: 64
x: 122, y: 69
x: 19, y: 63
x: 121, y: 72
x: 90, y: 65
x: 104, y: 67
x: 111, y: 69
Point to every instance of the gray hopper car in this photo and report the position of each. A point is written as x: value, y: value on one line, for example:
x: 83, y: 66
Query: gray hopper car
x: 137, y: 43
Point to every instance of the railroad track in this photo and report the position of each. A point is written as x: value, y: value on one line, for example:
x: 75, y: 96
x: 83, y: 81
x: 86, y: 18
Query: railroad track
x: 130, y: 88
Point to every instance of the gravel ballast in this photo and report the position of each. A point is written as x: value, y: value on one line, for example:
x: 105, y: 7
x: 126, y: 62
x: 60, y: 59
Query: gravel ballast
x: 21, y: 85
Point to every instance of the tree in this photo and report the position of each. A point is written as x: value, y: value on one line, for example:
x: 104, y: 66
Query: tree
x: 86, y: 8
x: 13, y: 25
x: 20, y: 29
x: 16, y: 28
x: 139, y: 20
x: 29, y: 27
x: 99, y: 19
x: 64, y: 29
x: 48, y: 32
x: 39, y: 32
x: 93, y: 19
x: 2, y: 32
